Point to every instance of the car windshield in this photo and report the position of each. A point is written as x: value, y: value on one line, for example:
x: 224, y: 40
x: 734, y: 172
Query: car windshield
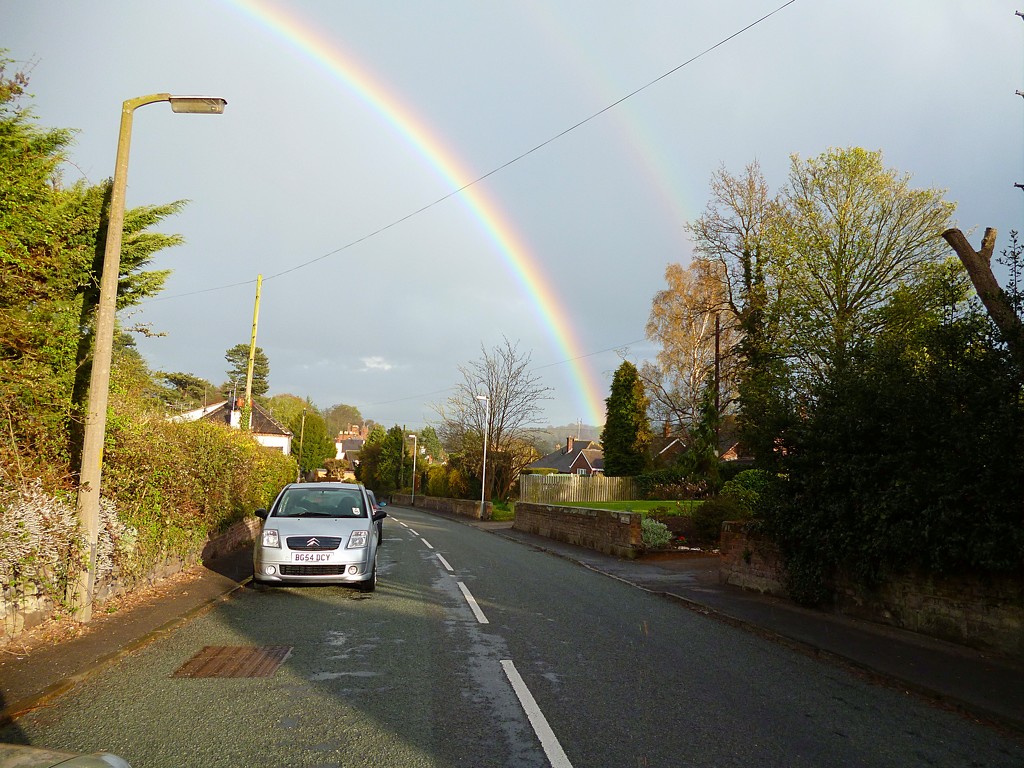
x: 321, y: 502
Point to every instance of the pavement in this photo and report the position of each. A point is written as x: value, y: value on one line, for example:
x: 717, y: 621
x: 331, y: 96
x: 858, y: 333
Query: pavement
x: 985, y: 687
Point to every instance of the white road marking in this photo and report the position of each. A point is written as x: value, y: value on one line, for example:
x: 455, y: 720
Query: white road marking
x: 412, y: 531
x: 444, y: 562
x: 556, y: 756
x: 473, y: 604
x: 426, y: 542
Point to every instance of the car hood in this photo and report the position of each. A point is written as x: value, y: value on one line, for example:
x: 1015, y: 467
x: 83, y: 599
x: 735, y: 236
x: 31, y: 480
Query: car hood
x: 323, y: 526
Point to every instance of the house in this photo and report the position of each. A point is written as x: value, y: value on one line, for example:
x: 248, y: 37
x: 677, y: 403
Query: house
x: 348, y: 448
x: 667, y: 450
x: 578, y: 457
x: 265, y: 428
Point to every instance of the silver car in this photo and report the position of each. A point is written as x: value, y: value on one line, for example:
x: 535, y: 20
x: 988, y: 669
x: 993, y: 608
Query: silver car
x: 317, y: 533
x: 18, y: 756
x: 377, y: 507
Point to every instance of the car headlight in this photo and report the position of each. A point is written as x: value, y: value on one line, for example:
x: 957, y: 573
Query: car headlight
x: 358, y: 539
x: 271, y: 539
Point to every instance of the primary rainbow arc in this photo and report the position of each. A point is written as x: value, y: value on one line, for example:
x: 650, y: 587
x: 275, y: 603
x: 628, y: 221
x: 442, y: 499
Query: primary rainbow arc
x: 515, y: 254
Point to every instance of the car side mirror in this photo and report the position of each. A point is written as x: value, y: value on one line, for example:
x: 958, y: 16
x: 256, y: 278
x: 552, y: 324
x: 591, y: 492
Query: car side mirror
x: 261, y: 514
x: 380, y: 514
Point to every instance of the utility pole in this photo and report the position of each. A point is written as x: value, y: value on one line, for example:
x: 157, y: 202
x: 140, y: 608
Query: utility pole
x: 252, y: 351
x: 401, y: 462
x: 302, y: 433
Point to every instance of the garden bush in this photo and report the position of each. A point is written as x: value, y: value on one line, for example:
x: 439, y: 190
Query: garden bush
x: 709, y: 516
x: 745, y: 490
x: 654, y: 534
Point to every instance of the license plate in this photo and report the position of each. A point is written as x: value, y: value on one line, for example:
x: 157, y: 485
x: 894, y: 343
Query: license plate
x: 311, y: 557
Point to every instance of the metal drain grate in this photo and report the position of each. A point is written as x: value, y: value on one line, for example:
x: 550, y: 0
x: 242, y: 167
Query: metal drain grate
x: 235, y: 661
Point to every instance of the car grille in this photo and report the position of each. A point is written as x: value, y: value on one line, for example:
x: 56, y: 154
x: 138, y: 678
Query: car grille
x: 313, y: 570
x: 313, y: 543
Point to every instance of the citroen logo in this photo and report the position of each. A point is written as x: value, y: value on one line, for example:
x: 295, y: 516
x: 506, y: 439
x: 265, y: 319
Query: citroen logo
x: 314, y: 542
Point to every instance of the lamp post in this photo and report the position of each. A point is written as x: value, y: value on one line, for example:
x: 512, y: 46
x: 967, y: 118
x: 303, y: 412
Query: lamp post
x: 88, y: 504
x: 413, y: 469
x: 483, y: 472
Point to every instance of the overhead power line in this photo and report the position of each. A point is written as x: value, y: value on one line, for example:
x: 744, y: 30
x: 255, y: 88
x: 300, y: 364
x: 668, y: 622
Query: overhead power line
x: 497, y: 169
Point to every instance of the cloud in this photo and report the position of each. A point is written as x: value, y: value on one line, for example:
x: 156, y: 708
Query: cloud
x: 376, y: 363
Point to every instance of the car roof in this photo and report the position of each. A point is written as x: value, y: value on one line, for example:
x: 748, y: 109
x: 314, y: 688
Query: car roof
x: 326, y: 484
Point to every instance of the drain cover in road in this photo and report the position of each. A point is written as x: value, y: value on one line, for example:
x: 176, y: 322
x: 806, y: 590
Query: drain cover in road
x: 235, y: 661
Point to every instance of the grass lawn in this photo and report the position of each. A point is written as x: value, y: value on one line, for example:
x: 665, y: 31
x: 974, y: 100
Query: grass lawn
x: 681, y: 507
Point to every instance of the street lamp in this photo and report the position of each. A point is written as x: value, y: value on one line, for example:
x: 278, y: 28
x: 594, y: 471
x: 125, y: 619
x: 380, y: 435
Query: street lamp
x: 413, y: 469
x: 88, y: 505
x: 483, y: 473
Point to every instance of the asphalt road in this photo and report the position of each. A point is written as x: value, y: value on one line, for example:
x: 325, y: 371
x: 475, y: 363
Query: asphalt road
x: 478, y: 651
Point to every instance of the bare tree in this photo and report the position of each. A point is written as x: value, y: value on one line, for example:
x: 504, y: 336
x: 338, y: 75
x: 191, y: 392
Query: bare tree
x: 996, y: 300
x: 509, y: 416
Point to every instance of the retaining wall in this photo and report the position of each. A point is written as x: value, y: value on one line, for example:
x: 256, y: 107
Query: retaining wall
x: 461, y: 507
x: 985, y: 612
x: 614, y: 533
x: 27, y: 606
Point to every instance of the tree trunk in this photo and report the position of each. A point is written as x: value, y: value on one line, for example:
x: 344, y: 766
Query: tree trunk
x: 995, y: 299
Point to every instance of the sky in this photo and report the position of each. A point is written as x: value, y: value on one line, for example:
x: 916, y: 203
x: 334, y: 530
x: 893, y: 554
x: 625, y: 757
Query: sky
x: 591, y: 129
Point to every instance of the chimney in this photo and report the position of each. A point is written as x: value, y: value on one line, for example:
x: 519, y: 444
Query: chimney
x: 569, y: 441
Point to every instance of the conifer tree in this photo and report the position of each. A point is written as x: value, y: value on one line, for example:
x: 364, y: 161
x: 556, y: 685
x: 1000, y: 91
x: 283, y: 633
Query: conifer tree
x: 627, y: 432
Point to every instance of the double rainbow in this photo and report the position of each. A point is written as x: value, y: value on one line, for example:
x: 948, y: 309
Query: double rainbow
x: 517, y: 257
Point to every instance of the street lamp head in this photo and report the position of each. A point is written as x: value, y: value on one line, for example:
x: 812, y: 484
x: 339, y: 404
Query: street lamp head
x: 199, y: 105
x: 482, y: 397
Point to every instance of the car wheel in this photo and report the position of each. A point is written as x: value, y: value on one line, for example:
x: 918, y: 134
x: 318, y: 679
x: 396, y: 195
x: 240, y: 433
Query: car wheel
x: 371, y: 583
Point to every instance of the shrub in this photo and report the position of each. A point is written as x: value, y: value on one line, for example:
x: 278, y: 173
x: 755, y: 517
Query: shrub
x: 670, y: 484
x: 745, y: 490
x: 709, y: 516
x: 654, y: 534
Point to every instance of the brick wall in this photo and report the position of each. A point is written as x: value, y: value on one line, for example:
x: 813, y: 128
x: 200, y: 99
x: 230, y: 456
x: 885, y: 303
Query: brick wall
x: 985, y: 612
x: 461, y: 507
x: 614, y: 533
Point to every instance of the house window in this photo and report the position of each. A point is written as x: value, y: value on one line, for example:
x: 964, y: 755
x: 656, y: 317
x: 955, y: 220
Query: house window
x: 581, y: 471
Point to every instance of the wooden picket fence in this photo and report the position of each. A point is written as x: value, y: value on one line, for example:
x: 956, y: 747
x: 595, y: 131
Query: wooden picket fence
x: 561, y: 489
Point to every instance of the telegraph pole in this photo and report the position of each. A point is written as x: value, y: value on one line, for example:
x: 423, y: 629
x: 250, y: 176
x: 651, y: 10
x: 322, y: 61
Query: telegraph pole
x: 252, y: 351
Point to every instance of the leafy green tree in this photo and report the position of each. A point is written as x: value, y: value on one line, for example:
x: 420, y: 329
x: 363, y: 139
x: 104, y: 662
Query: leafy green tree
x: 186, y: 391
x: 238, y: 370
x: 285, y: 408
x: 368, y: 471
x: 855, y: 233
x: 911, y: 459
x: 430, y: 443
x: 700, y: 462
x: 309, y: 433
x: 340, y: 417
x: 51, y: 244
x: 395, y: 461
x: 627, y: 433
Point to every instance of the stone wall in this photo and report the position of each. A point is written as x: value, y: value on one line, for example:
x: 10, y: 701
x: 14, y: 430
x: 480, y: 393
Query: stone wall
x: 750, y: 562
x: 461, y: 507
x: 614, y: 533
x: 28, y: 606
x: 977, y: 611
